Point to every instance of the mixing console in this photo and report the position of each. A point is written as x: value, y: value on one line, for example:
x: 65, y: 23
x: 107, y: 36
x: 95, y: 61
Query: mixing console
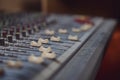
x: 34, y: 46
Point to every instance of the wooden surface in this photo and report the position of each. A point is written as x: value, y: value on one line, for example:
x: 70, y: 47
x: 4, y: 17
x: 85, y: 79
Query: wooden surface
x: 110, y: 67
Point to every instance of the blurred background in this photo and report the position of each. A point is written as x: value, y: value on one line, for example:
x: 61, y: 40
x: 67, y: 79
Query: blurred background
x: 107, y: 8
x: 9, y: 6
x: 110, y: 68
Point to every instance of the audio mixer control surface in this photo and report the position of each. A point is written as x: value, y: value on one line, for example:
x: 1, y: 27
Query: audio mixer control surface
x: 34, y: 46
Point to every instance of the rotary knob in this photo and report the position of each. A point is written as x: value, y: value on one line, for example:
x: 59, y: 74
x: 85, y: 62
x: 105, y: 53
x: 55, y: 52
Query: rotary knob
x: 17, y: 35
x: 2, y: 41
x: 24, y: 33
x: 4, y: 34
x: 10, y: 38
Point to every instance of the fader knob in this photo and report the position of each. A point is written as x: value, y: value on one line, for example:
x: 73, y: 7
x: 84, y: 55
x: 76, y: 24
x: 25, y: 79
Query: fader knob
x: 63, y: 31
x: 41, y: 40
x: 35, y: 59
x: 43, y: 49
x: 73, y: 38
x: 76, y: 29
x: 14, y: 64
x: 49, y: 32
x: 57, y: 39
x: 49, y: 55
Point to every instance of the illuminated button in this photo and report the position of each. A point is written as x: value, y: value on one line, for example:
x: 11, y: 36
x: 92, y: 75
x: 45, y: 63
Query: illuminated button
x: 43, y: 49
x: 14, y: 64
x: 63, y: 31
x: 74, y: 38
x: 49, y: 32
x: 86, y: 27
x: 57, y: 39
x: 43, y: 40
x: 35, y: 59
x: 51, y: 55
x: 76, y: 29
x: 33, y: 43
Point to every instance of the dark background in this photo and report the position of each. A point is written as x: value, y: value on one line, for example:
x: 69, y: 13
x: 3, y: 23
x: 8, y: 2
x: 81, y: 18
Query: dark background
x: 108, y: 8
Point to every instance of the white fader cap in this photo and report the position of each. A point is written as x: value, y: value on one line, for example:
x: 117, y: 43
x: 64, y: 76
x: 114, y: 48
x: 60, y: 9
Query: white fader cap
x: 62, y: 31
x: 86, y: 27
x: 14, y: 64
x: 74, y: 38
x: 49, y: 32
x: 35, y: 59
x: 76, y: 29
x: 51, y: 55
x: 43, y: 49
x: 57, y: 39
x: 33, y: 43
x: 41, y: 40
